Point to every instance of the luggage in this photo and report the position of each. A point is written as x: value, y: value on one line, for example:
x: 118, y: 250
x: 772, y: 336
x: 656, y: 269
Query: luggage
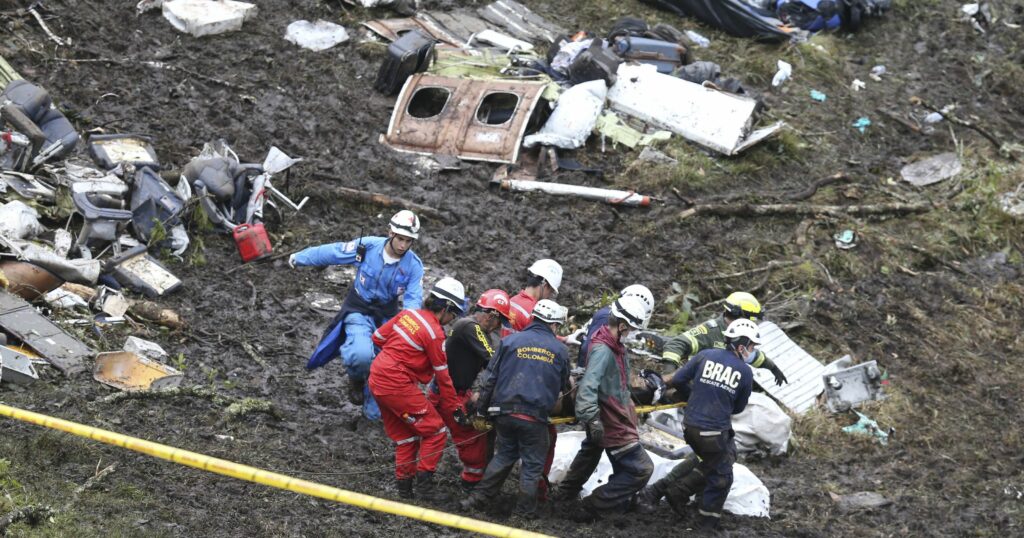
x: 596, y: 63
x: 665, y: 56
x: 407, y: 55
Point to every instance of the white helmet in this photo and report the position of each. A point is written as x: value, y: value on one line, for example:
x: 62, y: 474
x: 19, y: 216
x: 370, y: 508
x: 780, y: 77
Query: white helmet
x: 743, y: 328
x: 406, y: 223
x: 450, y: 290
x: 630, y: 309
x: 549, y: 311
x: 550, y: 271
x: 644, y: 294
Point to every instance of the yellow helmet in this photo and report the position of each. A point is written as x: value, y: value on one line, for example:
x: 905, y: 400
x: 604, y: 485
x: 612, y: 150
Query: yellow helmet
x: 741, y: 304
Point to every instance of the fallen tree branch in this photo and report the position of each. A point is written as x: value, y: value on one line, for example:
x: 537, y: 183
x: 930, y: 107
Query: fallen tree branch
x: 902, y: 121
x: 811, y: 189
x: 805, y: 210
x: 157, y: 65
x: 774, y: 264
x: 34, y: 515
x: 384, y: 200
x: 963, y: 123
x: 235, y: 408
x: 49, y: 33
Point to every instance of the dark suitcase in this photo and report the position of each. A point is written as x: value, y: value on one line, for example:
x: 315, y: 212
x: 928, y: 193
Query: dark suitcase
x: 596, y: 63
x: 408, y: 55
x: 665, y: 56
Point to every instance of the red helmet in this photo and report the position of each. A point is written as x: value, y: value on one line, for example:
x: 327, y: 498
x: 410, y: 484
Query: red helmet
x: 495, y: 300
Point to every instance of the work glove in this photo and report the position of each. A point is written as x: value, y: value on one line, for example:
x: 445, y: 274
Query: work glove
x: 460, y: 417
x: 780, y: 377
x: 653, y: 342
x: 480, y: 423
x: 576, y: 337
x: 595, y: 431
x: 291, y: 261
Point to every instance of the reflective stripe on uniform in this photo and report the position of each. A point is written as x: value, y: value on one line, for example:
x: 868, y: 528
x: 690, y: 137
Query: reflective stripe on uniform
x: 377, y: 334
x: 424, y: 323
x: 520, y: 308
x: 694, y: 345
x: 443, y: 430
x: 407, y: 339
x: 412, y: 439
x: 472, y: 470
x: 710, y: 434
x: 442, y: 367
x: 618, y: 451
x: 709, y: 514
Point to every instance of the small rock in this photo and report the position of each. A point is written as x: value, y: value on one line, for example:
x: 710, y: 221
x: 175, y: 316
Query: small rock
x: 652, y: 155
x: 862, y: 500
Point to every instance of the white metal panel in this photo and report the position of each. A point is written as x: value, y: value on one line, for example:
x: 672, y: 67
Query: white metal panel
x: 802, y: 370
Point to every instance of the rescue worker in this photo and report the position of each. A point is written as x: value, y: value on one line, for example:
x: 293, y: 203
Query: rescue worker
x: 738, y: 305
x: 600, y: 318
x: 716, y: 384
x: 386, y: 269
x: 526, y: 376
x: 604, y: 406
x: 545, y: 276
x: 412, y: 352
x: 708, y: 335
x: 469, y: 346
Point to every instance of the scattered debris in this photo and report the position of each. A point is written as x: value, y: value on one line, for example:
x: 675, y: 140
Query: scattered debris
x: 932, y: 170
x: 610, y: 125
x: 698, y: 39
x: 818, y: 96
x: 857, y: 85
x: 328, y: 302
x: 457, y: 28
x: 651, y: 155
x: 574, y: 117
x: 802, y: 370
x: 783, y: 74
x: 207, y: 17
x: 862, y: 500
x: 144, y: 348
x: 490, y: 117
x: 862, y: 124
x: 807, y: 210
x: 866, y: 426
x: 877, y: 72
x: 155, y: 313
x: 139, y: 271
x: 128, y: 371
x: 60, y: 349
x: 407, y: 55
x: 848, y: 387
x: 27, y: 280
x: 711, y: 118
x: 1012, y: 203
x: 318, y: 35
x: 845, y: 239
x: 611, y: 196
x: 16, y: 367
x: 110, y: 302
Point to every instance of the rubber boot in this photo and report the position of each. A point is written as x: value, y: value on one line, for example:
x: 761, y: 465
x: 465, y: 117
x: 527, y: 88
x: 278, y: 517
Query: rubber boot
x: 708, y: 523
x: 564, y: 495
x: 475, y: 501
x: 678, y: 499
x: 648, y: 499
x: 405, y: 487
x: 467, y: 486
x: 355, y: 390
x: 426, y: 488
x: 526, y: 505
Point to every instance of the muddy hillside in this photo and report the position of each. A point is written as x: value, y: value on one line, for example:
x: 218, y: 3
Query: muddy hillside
x: 931, y: 288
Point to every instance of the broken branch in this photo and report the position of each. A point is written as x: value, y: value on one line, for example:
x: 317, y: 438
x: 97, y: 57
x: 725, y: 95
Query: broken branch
x: 39, y: 18
x: 805, y: 210
x: 963, y: 123
x: 838, y: 177
x: 385, y: 200
x: 774, y: 264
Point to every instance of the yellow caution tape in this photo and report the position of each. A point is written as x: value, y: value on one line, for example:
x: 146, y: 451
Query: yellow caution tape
x: 639, y: 410
x: 267, y: 478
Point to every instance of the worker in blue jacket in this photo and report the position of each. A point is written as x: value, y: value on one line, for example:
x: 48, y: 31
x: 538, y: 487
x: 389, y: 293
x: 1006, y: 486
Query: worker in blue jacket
x: 527, y: 375
x: 386, y: 270
x: 716, y: 385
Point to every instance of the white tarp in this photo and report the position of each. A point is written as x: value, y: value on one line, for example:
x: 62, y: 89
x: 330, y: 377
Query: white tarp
x: 574, y: 117
x: 762, y: 423
x: 207, y: 17
x: 19, y: 221
x: 318, y: 35
x: 748, y: 496
x: 712, y: 118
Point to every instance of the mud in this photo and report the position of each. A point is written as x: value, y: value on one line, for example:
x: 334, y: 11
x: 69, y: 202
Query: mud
x: 945, y: 324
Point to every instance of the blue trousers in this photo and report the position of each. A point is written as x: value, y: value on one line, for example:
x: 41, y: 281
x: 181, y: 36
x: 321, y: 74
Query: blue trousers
x: 517, y: 440
x: 631, y: 469
x: 357, y: 353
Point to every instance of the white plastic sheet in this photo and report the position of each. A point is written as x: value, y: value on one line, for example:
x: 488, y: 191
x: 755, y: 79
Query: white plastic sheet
x: 317, y: 35
x: 748, y: 496
x: 762, y: 423
x: 574, y: 117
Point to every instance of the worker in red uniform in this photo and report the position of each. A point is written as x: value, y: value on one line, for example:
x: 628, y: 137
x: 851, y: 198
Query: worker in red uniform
x: 543, y: 282
x: 469, y: 346
x: 412, y: 353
